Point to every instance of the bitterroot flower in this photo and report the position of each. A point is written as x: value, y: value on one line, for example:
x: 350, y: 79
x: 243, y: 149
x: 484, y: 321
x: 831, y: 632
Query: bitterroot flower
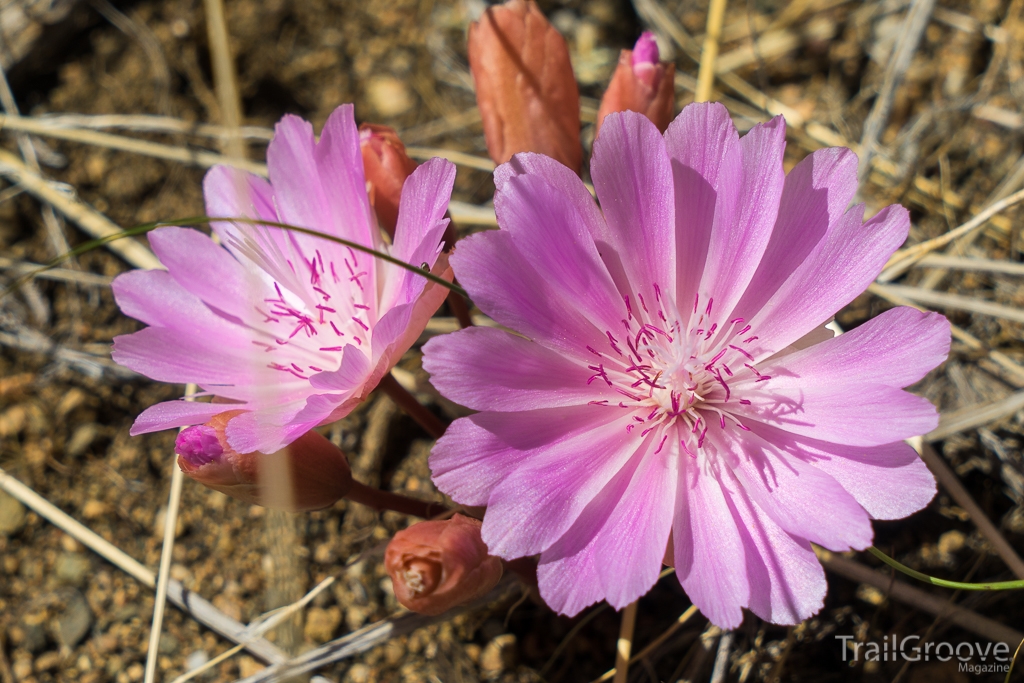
x: 437, y: 565
x: 292, y: 330
x: 674, y: 378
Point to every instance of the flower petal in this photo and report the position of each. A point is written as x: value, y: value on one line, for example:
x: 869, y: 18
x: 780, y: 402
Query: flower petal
x: 350, y: 375
x: 842, y: 265
x: 633, y: 179
x: 896, y: 348
x: 506, y: 286
x: 170, y: 414
x: 171, y: 356
x: 559, y: 176
x: 488, y: 369
x: 736, y: 247
x: 889, y: 481
x: 524, y: 518
x: 791, y: 492
x: 478, y: 452
x: 710, y: 556
x: 814, y: 199
x: 155, y: 298
x: 707, y: 173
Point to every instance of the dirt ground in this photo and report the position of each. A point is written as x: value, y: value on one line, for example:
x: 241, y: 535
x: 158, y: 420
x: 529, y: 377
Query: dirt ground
x: 951, y: 142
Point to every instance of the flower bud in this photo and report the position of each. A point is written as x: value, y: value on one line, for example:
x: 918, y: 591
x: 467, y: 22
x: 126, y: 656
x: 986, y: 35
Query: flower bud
x: 525, y: 87
x: 435, y: 566
x: 386, y: 166
x: 313, y: 472
x: 642, y: 84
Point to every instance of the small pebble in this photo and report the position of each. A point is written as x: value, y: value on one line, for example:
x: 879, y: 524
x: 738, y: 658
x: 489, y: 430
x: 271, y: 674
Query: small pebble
x: 12, y: 515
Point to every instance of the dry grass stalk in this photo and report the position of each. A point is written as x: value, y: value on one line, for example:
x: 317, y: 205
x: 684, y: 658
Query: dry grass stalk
x: 954, y: 301
x: 976, y: 416
x: 625, y: 643
x: 709, y: 53
x: 654, y: 644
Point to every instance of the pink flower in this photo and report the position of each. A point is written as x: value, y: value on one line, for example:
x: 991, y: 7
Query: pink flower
x: 673, y: 379
x: 292, y: 329
x: 641, y: 83
x: 437, y: 565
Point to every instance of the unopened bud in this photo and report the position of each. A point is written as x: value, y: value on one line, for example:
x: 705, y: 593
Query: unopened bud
x: 386, y: 166
x: 313, y: 472
x: 435, y: 566
x: 525, y: 87
x: 642, y: 84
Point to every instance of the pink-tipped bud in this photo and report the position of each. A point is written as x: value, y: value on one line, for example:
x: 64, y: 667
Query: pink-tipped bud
x: 642, y: 84
x: 525, y: 86
x: 386, y: 166
x: 317, y: 472
x: 435, y: 566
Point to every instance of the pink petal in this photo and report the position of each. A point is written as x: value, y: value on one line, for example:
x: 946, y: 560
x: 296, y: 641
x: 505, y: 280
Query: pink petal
x: 707, y: 172
x: 896, y: 348
x: 321, y: 186
x: 560, y: 177
x: 859, y: 414
x: 487, y: 369
x: 557, y: 240
x: 710, y: 556
x: 633, y: 179
x: 350, y: 375
x: 631, y: 546
x: 155, y: 298
x: 421, y: 224
x: 792, y: 492
x: 736, y: 247
x: 171, y: 356
x: 889, y: 481
x: 507, y: 287
x: 230, y: 192
x: 814, y: 199
x: 787, y: 583
x: 478, y: 452
x: 205, y: 269
x: 170, y: 414
x: 841, y: 266
x: 524, y: 518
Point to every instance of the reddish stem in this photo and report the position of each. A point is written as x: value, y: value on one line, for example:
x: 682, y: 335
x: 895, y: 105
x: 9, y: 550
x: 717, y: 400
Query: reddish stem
x: 460, y: 309
x: 385, y: 500
x: 431, y: 423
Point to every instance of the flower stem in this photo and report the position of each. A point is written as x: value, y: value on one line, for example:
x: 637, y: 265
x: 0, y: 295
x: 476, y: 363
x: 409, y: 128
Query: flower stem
x: 990, y: 586
x: 431, y: 424
x: 385, y: 500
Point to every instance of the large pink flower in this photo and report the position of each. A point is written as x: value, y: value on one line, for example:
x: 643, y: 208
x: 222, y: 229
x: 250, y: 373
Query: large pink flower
x: 673, y: 378
x: 293, y: 329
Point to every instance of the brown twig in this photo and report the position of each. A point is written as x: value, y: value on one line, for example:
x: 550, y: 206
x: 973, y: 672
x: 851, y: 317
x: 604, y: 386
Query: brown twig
x: 385, y: 500
x: 430, y: 423
x: 952, y: 484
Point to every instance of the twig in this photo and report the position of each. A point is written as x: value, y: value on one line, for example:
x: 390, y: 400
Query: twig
x: 721, y: 668
x: 224, y: 79
x: 145, y: 123
x: 166, y: 553
x: 150, y: 45
x: 1014, y: 373
x: 709, y: 53
x: 59, y: 274
x: 460, y: 158
x: 976, y: 416
x: 430, y: 423
x: 123, y: 143
x: 676, y: 625
x: 903, y: 51
x: 201, y: 610
x: 911, y: 595
x: 257, y: 629
x: 89, y: 219
x: 625, y: 642
x: 905, y: 258
x: 90, y: 364
x: 367, y: 638
x: 953, y: 301
x: 983, y: 265
x: 379, y: 499
x: 573, y: 632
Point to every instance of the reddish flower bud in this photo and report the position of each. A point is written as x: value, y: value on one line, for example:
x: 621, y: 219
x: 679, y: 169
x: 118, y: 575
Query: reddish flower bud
x: 642, y: 84
x: 525, y: 87
x: 386, y: 166
x: 318, y: 471
x: 435, y: 566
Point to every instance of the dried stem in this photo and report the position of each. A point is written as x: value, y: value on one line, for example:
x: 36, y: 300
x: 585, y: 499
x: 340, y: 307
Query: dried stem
x: 625, y: 642
x: 706, y: 75
x: 385, y: 500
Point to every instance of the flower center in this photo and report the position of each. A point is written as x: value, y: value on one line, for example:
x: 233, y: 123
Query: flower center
x: 675, y: 367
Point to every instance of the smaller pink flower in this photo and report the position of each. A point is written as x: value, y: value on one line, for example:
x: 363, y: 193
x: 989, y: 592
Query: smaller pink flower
x: 290, y: 329
x: 435, y: 566
x: 386, y: 166
x: 317, y: 469
x: 641, y: 83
